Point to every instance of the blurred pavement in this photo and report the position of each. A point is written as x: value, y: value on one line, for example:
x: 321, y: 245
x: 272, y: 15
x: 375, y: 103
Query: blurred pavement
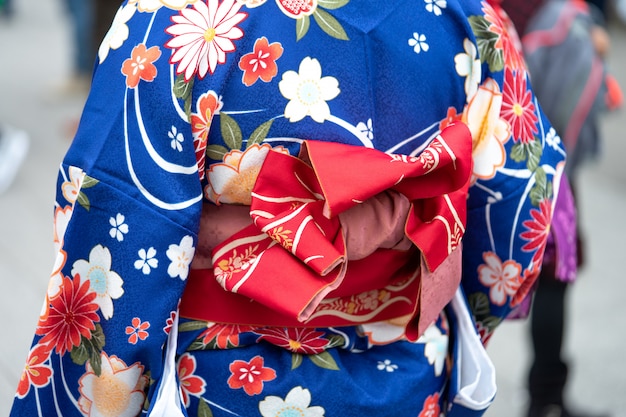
x: 34, y: 52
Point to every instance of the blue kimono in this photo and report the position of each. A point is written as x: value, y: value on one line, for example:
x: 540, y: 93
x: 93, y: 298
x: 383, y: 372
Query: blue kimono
x: 188, y: 99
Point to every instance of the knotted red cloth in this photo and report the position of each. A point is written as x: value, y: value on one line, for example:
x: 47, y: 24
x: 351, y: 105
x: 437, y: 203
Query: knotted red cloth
x: 290, y: 267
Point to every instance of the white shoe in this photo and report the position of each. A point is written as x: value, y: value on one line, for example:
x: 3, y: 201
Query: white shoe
x: 13, y: 149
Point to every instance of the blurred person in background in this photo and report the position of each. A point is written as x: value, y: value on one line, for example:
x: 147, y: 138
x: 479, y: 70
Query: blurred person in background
x: 81, y: 14
x: 565, y: 45
x: 14, y: 142
x: 370, y: 174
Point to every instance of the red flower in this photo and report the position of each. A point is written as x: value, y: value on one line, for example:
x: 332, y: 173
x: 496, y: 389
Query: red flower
x: 431, y: 406
x: 250, y: 375
x: 137, y: 331
x: 71, y: 314
x: 224, y: 335
x: 35, y: 373
x: 537, y: 230
x: 528, y: 282
x: 517, y: 107
x: 261, y: 63
x: 190, y: 384
x: 507, y: 41
x: 451, y: 117
x: 140, y: 65
x: 207, y: 106
x: 297, y: 340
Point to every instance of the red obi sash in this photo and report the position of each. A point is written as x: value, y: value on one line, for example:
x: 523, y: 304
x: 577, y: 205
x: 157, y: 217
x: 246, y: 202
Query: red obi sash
x: 290, y: 267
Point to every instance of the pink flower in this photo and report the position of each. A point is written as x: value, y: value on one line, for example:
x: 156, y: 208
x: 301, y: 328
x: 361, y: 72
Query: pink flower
x: 250, y: 375
x: 203, y: 35
x: 190, y: 384
x: 503, y: 279
x: 297, y: 340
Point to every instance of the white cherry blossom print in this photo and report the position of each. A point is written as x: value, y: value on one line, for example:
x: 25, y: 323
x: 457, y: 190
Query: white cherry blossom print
x: 386, y: 365
x: 71, y: 188
x: 202, y: 36
x: 147, y: 260
x: 180, y: 256
x: 489, y: 131
x: 118, y: 32
x: 502, y: 278
x: 468, y: 65
x: 104, y: 282
x: 418, y: 42
x: 177, y: 139
x: 296, y: 403
x: 308, y: 92
x: 118, y: 390
x: 231, y: 181
x: 435, y: 6
x: 436, y: 348
x: 118, y: 227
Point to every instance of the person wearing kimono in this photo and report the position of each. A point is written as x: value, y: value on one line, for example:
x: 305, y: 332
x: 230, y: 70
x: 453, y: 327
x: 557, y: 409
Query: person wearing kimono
x: 280, y: 208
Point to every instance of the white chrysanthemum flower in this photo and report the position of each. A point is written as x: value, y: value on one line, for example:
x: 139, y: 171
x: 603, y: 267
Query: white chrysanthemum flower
x: 203, y: 35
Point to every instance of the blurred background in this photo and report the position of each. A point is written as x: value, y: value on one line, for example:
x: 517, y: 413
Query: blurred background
x: 42, y: 95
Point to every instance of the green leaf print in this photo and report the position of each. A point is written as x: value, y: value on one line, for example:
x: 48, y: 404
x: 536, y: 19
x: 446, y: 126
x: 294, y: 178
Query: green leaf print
x: 479, y: 304
x: 260, y: 133
x: 302, y: 27
x: 486, y: 41
x: 190, y: 326
x: 83, y: 200
x: 542, y: 189
x: 296, y: 360
x: 216, y: 152
x: 203, y: 409
x: 183, y: 90
x: 89, y: 350
x: 535, y: 151
x: 491, y: 322
x: 324, y: 360
x: 88, y: 182
x: 231, y: 132
x: 332, y: 4
x: 329, y: 24
x: 519, y: 152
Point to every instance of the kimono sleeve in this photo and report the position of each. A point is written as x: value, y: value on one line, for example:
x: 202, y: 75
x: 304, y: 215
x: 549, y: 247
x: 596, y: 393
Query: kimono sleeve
x: 518, y: 162
x: 125, y: 219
